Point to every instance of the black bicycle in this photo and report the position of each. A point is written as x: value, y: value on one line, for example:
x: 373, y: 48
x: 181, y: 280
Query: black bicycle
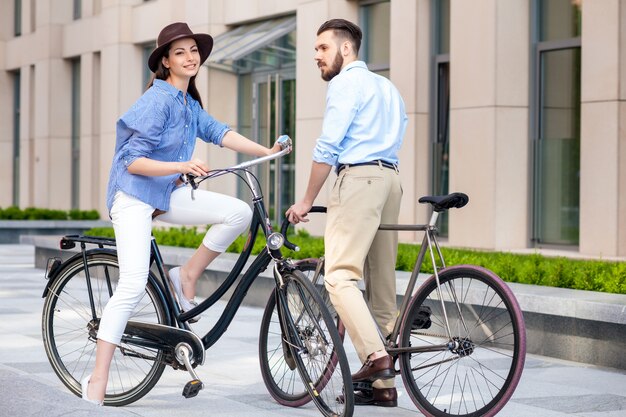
x: 459, y: 341
x: 158, y: 334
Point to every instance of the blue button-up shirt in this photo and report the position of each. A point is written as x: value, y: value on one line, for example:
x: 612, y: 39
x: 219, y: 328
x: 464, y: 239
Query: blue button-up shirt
x: 365, y: 119
x: 162, y: 127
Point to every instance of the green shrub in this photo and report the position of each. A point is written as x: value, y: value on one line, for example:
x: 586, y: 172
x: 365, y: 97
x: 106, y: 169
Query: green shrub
x: 535, y: 269
x: 32, y: 213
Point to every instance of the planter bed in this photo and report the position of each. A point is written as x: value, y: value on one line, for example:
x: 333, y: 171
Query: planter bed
x: 11, y: 230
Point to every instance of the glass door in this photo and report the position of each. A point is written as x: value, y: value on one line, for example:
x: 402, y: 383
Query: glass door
x: 274, y: 114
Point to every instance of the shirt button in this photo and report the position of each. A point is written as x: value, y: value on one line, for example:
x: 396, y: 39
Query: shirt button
x: 186, y: 125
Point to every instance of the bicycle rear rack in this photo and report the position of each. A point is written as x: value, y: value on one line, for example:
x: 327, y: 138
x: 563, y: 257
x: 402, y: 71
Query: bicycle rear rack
x: 69, y: 241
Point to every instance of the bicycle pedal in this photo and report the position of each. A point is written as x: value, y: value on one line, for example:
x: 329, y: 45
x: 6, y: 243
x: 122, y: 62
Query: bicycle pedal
x: 192, y: 388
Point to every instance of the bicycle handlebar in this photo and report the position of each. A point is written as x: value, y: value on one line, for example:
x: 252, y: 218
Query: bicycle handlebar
x: 287, y: 223
x: 284, y: 141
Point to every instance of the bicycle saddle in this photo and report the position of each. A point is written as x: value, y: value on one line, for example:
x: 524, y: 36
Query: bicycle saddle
x: 445, y: 202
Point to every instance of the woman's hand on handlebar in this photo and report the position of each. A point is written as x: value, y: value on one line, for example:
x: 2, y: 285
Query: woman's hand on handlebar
x: 298, y: 212
x: 283, y: 142
x: 195, y: 167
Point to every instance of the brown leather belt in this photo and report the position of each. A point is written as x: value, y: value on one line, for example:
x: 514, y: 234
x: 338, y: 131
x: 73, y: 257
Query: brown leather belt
x: 380, y: 162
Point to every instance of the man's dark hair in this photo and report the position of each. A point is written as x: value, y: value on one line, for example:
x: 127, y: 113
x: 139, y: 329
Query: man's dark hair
x: 345, y: 29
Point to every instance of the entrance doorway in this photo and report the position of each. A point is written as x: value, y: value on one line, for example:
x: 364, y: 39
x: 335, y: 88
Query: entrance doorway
x: 274, y: 114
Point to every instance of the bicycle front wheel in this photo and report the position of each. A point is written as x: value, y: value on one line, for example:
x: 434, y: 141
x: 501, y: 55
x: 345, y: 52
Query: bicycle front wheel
x: 474, y: 370
x: 315, y: 345
x: 69, y: 327
x: 277, y: 366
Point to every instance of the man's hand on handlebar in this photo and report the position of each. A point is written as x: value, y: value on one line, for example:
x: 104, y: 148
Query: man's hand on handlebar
x: 298, y: 212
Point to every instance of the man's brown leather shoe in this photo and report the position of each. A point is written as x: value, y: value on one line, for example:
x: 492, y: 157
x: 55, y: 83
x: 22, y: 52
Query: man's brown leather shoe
x: 381, y: 368
x: 382, y: 397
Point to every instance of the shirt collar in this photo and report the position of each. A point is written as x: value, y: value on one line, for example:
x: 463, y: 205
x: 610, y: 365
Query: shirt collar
x: 167, y: 87
x: 354, y: 64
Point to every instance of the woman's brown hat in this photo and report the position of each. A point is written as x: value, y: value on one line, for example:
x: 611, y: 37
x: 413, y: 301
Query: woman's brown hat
x: 176, y: 31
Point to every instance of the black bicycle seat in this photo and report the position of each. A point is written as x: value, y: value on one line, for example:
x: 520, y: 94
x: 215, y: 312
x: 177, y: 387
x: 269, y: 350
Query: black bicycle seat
x: 445, y: 202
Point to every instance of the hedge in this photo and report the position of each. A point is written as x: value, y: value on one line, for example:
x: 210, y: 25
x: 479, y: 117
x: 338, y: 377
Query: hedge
x: 535, y: 269
x: 32, y: 213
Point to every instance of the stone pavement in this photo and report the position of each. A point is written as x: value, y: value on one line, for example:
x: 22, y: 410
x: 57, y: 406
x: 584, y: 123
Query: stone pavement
x: 29, y: 387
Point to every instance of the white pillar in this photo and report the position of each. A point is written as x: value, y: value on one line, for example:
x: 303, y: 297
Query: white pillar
x: 489, y: 142
x: 603, y: 134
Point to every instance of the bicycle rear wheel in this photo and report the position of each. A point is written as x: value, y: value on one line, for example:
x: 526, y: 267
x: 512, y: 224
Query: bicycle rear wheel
x: 476, y: 374
x: 277, y: 366
x: 69, y: 330
x: 315, y: 345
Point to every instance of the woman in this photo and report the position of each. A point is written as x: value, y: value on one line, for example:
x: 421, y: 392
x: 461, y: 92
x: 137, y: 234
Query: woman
x: 154, y: 147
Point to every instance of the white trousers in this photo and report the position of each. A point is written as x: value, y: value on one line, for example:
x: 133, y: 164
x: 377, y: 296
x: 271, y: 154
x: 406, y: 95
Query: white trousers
x: 132, y: 222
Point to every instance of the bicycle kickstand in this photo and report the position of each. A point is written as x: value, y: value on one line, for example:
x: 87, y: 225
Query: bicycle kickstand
x: 193, y: 387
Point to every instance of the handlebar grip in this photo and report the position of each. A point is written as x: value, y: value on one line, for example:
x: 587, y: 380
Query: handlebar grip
x: 286, y: 223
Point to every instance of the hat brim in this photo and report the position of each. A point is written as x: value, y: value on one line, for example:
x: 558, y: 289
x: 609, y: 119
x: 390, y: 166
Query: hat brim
x: 203, y: 40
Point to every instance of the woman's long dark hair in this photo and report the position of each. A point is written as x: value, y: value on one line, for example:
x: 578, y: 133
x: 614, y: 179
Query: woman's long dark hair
x: 162, y: 73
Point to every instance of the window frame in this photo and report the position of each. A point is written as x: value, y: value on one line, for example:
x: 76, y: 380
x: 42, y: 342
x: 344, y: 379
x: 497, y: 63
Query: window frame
x: 364, y: 52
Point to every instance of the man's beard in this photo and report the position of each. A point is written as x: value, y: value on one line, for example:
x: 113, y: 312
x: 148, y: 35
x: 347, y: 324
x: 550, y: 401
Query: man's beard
x: 334, y: 69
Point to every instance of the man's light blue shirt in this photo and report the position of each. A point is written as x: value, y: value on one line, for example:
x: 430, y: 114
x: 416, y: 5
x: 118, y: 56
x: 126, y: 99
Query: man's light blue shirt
x: 365, y: 119
x: 159, y: 126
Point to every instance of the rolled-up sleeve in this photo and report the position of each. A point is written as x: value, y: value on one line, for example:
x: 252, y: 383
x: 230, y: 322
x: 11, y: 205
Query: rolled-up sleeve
x: 144, y: 129
x: 342, y: 104
x: 209, y: 129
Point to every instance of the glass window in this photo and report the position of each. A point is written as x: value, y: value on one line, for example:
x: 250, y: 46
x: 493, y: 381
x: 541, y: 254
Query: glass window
x: 442, y: 19
x: 556, y: 116
x: 375, y: 18
x: 16, y: 138
x: 145, y: 54
x: 78, y: 9
x: 558, y: 147
x: 75, y: 158
x: 17, y: 18
x: 559, y: 19
x: 441, y: 105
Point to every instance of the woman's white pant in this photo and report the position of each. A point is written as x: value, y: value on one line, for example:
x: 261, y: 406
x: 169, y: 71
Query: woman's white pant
x: 132, y: 221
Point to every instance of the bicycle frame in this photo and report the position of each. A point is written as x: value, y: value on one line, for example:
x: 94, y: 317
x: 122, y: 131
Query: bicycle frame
x: 178, y: 319
x: 430, y: 245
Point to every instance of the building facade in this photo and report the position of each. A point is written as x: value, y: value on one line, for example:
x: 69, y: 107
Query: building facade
x: 518, y: 103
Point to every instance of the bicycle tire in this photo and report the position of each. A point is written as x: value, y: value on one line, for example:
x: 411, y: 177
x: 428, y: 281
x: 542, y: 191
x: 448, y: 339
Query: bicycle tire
x: 70, y: 344
x: 282, y: 380
x: 321, y: 362
x: 479, y: 375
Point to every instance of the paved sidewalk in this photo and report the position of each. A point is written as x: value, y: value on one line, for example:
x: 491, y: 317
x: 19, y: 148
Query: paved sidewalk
x: 29, y: 387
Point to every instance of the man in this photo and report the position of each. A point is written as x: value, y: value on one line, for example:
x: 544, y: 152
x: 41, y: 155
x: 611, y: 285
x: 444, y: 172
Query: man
x: 363, y: 127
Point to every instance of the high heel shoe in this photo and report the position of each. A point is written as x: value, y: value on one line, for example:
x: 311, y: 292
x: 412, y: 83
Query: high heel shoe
x: 84, y: 385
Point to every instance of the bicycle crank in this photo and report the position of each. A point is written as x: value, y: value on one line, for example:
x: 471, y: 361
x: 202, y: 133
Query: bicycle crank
x: 193, y: 387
